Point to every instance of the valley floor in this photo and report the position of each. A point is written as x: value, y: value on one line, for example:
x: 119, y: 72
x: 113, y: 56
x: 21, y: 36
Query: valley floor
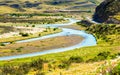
x: 70, y: 62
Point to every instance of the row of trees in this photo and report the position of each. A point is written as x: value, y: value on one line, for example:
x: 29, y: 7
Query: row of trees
x: 33, y: 14
x: 32, y: 21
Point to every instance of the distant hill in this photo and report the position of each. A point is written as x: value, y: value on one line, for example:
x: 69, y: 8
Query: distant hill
x: 43, y: 5
x: 106, y: 10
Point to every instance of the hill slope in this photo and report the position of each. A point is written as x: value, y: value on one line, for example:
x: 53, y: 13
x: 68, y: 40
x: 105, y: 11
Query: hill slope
x: 106, y: 9
x: 43, y: 5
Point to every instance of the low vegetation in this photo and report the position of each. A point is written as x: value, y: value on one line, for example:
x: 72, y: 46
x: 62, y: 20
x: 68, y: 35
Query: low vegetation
x: 32, y: 18
x: 80, y: 61
x: 116, y: 70
x: 103, y: 51
x: 117, y: 16
x: 33, y: 6
x: 39, y: 45
x: 6, y: 29
x: 28, y: 35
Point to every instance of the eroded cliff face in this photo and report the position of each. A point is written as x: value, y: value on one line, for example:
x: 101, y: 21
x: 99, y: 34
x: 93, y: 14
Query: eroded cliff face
x: 105, y: 10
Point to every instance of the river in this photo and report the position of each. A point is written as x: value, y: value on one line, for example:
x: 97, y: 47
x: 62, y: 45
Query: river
x: 89, y: 40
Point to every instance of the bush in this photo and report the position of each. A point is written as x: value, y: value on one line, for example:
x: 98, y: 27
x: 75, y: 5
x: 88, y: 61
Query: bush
x: 40, y: 73
x: 75, y: 59
x: 55, y: 29
x: 12, y: 51
x: 23, y: 68
x: 84, y: 23
x: 40, y: 35
x: 24, y: 34
x: 33, y: 25
x: 19, y: 49
x: 7, y: 70
x: 2, y: 44
x: 104, y: 54
x: 12, y: 42
x: 27, y: 25
x: 116, y: 70
x: 38, y: 64
x: 64, y: 64
x: 101, y: 56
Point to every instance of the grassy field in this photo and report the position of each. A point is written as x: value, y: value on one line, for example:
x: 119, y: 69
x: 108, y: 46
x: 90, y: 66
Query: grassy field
x: 6, y: 9
x: 70, y: 62
x: 83, y: 52
x: 39, y: 6
x: 76, y: 68
x: 81, y: 61
x: 48, y: 31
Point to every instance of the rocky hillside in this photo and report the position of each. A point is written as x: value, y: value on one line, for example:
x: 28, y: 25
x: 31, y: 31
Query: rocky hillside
x: 106, y: 10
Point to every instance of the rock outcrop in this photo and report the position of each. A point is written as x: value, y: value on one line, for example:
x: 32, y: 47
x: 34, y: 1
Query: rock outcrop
x: 106, y: 9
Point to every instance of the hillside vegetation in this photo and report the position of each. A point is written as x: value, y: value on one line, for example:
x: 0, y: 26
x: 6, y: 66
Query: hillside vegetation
x: 45, y: 5
x: 80, y: 61
x: 65, y: 62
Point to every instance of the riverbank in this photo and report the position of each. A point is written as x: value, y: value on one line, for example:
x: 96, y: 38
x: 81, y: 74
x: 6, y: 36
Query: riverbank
x: 40, y: 45
x: 29, y: 33
x: 65, y: 32
x: 71, y: 62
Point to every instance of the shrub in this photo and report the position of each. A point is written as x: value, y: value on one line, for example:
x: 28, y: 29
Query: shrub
x: 84, y: 23
x: 64, y: 64
x: 75, y: 59
x: 24, y: 34
x: 55, y: 29
x: 8, y: 70
x: 12, y: 51
x: 2, y: 44
x: 116, y: 70
x: 40, y: 35
x: 12, y: 42
x: 118, y: 54
x: 38, y: 64
x: 33, y: 25
x: 40, y: 73
x: 19, y: 49
x: 101, y: 56
x: 27, y: 25
x: 23, y: 68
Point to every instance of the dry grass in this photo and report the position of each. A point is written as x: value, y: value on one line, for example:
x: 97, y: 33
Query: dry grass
x: 78, y: 69
x: 45, y: 5
x: 117, y: 16
x: 6, y: 9
x: 15, y: 38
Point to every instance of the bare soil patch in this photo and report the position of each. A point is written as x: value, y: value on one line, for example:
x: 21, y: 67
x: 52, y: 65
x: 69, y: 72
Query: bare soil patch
x: 41, y: 45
